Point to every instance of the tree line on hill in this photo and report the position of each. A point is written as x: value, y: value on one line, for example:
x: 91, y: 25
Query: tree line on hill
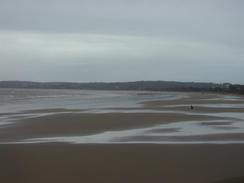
x: 137, y: 85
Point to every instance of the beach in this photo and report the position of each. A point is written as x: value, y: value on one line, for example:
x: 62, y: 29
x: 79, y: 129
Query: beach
x: 120, y: 163
x: 153, y: 139
x: 121, y: 91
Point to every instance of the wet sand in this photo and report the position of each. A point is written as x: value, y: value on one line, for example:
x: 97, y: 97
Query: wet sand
x: 115, y: 163
x: 197, y: 98
x: 203, y: 103
x: 137, y: 163
x: 72, y: 124
x: 59, y: 122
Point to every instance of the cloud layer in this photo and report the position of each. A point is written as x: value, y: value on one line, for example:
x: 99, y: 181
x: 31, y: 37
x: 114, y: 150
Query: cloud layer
x: 122, y: 40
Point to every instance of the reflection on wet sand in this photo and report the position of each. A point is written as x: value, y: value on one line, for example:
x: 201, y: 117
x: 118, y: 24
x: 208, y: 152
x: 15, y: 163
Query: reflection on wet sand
x: 228, y: 123
x: 161, y: 118
x: 70, y: 136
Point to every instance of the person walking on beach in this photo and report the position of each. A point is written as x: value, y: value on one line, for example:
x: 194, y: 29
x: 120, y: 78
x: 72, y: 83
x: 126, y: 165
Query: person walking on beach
x: 191, y: 107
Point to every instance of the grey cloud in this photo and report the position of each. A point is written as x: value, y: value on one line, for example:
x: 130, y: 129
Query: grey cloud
x: 127, y: 39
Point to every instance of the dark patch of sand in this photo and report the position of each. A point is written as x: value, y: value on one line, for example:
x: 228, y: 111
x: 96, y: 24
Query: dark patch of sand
x: 71, y: 124
x: 137, y: 163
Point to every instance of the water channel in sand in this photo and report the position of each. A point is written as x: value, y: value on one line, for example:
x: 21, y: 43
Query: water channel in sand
x: 95, y: 102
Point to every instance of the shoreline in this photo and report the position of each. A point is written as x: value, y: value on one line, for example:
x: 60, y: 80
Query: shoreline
x: 161, y: 120
x: 134, y: 152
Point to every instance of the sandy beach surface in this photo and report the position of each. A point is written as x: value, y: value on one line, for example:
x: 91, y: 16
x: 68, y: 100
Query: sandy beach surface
x: 135, y: 163
x: 154, y: 141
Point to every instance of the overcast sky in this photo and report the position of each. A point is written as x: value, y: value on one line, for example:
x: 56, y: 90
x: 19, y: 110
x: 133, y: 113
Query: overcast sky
x: 122, y: 40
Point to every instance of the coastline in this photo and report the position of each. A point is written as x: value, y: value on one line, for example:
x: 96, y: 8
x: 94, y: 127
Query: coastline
x: 91, y: 160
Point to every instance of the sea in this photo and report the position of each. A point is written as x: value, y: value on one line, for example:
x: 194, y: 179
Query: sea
x: 16, y: 100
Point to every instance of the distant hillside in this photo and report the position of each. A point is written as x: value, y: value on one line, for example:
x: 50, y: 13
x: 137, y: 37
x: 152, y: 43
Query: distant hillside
x: 137, y: 85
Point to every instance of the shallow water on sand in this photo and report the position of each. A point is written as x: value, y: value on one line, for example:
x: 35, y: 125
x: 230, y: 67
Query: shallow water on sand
x: 187, y: 132
x: 162, y: 134
x: 16, y: 101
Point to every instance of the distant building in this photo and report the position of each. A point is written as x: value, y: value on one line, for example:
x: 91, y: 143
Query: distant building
x: 226, y: 86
